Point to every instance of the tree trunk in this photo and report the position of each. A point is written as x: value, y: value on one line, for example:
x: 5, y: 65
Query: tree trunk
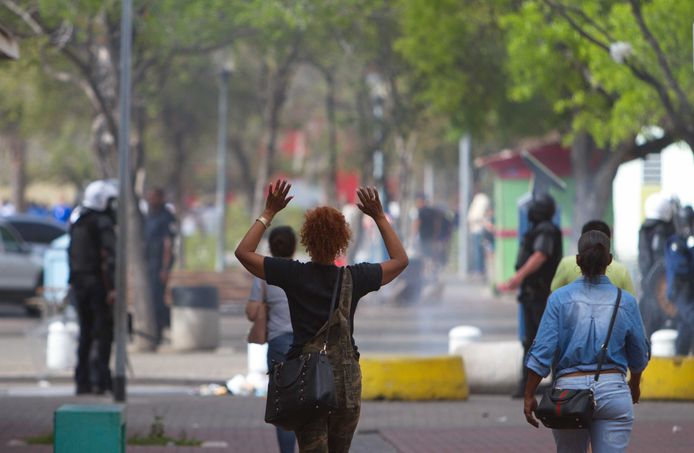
x: 245, y: 172
x: 593, y: 171
x: 404, y: 149
x: 277, y: 98
x: 18, y: 180
x: 144, y: 322
x: 332, y: 136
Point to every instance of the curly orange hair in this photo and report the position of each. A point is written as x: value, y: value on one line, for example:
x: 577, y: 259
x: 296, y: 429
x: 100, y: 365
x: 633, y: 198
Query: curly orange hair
x: 325, y: 234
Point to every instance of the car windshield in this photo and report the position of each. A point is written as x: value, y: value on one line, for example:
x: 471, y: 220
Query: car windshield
x: 37, y: 232
x: 9, y: 243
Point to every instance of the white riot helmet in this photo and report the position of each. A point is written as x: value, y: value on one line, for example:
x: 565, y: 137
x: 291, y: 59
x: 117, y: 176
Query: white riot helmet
x: 659, y: 206
x: 99, y: 195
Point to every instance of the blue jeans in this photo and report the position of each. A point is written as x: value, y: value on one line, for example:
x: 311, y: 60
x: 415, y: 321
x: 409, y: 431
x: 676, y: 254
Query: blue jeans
x: 478, y: 253
x: 277, y: 352
x: 612, y: 419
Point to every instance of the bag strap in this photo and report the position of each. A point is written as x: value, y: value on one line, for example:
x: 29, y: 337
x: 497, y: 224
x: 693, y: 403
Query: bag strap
x: 603, y: 350
x: 333, y: 304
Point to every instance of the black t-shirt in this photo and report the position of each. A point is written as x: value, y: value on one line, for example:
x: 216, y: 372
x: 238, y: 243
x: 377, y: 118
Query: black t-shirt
x: 309, y: 288
x: 545, y: 238
x: 427, y: 222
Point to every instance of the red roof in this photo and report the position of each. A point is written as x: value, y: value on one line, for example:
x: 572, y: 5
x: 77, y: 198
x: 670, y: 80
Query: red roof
x: 508, y: 164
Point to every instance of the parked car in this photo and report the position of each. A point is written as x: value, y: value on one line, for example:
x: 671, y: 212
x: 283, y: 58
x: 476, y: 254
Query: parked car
x: 36, y: 231
x: 21, y: 275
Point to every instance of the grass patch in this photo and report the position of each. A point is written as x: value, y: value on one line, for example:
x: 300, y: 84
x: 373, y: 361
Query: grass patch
x: 164, y: 440
x: 43, y: 439
x: 157, y: 436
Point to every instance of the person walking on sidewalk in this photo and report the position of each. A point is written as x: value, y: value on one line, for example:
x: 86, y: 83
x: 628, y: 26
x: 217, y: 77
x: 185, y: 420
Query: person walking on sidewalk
x: 309, y: 287
x: 279, y: 326
x: 537, y: 261
x: 573, y: 326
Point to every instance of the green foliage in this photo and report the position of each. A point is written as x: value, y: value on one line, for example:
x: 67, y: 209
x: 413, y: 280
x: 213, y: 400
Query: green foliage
x: 549, y: 56
x: 458, y: 54
x: 157, y: 436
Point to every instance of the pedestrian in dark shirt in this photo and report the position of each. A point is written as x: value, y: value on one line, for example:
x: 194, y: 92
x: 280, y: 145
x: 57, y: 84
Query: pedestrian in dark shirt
x: 538, y: 259
x: 92, y: 260
x: 309, y: 287
x: 160, y: 231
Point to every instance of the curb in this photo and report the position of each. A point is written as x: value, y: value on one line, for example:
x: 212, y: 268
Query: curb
x: 413, y: 378
x: 668, y: 378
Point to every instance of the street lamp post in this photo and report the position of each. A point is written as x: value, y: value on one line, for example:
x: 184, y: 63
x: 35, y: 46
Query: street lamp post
x: 120, y: 310
x: 224, y: 75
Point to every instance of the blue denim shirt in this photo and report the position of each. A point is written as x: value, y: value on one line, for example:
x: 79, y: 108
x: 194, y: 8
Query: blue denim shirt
x: 575, y: 324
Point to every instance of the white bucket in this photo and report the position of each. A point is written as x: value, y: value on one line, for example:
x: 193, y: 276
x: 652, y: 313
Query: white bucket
x: 61, y: 345
x: 461, y: 335
x: 663, y: 343
x: 257, y: 358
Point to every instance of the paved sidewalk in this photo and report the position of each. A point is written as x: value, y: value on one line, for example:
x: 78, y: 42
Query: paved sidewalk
x: 382, y: 326
x: 235, y: 424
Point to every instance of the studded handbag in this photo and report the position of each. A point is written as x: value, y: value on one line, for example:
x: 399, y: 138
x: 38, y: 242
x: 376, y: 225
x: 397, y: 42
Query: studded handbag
x: 303, y: 388
x: 573, y: 408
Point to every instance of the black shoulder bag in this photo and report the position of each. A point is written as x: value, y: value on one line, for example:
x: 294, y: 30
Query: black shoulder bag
x: 571, y: 408
x: 303, y: 388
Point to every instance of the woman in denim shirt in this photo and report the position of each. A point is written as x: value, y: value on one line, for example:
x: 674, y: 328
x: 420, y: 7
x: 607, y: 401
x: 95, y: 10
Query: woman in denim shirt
x: 571, y: 333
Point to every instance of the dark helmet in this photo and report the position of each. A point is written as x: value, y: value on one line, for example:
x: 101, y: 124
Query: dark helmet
x: 542, y: 207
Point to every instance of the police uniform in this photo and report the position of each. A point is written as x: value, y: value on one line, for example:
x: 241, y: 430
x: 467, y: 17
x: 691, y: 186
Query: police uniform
x: 544, y: 237
x: 679, y: 274
x: 92, y: 270
x: 159, y: 225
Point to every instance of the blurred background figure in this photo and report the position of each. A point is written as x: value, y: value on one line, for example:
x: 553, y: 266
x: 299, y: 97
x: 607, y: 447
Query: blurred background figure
x: 432, y: 231
x: 653, y: 236
x: 92, y: 258
x: 481, y: 227
x: 679, y: 271
x: 61, y: 211
x: 160, y: 231
x: 273, y: 299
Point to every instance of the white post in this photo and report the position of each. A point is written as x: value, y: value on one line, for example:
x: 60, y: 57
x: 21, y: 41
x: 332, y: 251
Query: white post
x: 464, y: 178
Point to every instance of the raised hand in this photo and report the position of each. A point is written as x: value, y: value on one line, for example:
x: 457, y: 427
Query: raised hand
x: 277, y: 198
x: 369, y: 202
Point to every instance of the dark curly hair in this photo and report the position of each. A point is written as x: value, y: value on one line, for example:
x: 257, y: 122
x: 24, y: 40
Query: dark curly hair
x: 282, y: 242
x: 325, y: 234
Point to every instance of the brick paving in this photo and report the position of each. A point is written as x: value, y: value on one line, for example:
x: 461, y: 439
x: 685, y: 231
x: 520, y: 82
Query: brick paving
x: 482, y: 424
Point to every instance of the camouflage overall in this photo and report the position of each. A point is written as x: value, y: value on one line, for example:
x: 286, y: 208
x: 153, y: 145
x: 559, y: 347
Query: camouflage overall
x: 333, y: 432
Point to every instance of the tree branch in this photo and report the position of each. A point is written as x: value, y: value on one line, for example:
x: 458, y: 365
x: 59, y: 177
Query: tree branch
x: 640, y: 74
x: 588, y: 19
x: 210, y: 47
x: 662, y: 59
x: 652, y: 146
x: 562, y: 12
x: 25, y: 16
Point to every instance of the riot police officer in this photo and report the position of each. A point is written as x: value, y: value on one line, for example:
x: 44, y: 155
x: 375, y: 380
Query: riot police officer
x: 92, y: 256
x: 679, y: 272
x: 537, y: 261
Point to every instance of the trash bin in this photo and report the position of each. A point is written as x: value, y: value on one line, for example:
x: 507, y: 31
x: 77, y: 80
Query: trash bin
x: 89, y: 428
x: 194, y: 318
